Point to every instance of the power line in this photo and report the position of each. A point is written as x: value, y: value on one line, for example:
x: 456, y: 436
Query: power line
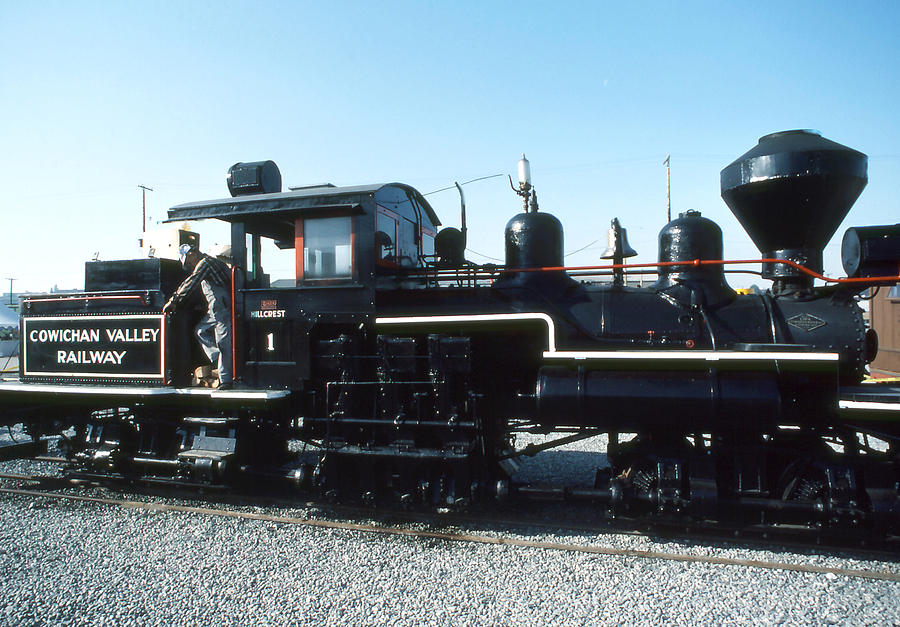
x: 475, y: 252
x: 582, y: 248
x: 480, y: 178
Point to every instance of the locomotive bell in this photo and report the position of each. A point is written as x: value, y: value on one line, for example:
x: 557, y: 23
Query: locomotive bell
x: 619, y: 243
x: 790, y: 193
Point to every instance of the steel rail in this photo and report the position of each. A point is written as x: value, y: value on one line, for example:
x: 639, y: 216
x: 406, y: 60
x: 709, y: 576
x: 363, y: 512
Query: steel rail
x: 463, y: 537
x: 758, y: 537
x: 18, y: 477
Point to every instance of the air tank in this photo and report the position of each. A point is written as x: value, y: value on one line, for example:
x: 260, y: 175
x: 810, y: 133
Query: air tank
x: 790, y: 193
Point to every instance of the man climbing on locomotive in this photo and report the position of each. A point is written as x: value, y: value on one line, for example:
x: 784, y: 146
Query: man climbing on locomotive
x: 210, y: 277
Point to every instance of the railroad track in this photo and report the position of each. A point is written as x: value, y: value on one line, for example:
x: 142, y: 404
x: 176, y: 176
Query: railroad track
x: 556, y: 515
x: 407, y: 531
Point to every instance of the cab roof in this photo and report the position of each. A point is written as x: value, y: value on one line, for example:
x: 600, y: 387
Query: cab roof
x: 319, y: 199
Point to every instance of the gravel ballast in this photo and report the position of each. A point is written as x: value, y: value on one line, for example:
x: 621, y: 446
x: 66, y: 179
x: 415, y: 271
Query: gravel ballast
x: 91, y: 564
x: 69, y: 563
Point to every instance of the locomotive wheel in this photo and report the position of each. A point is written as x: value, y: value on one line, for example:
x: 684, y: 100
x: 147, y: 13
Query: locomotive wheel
x: 804, y: 481
x: 831, y: 492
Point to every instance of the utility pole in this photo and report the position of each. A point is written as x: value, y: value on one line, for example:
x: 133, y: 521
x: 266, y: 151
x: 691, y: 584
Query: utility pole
x: 668, y: 191
x: 144, y: 190
x: 10, y: 279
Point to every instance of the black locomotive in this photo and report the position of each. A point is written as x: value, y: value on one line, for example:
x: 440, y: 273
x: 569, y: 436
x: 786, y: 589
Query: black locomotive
x: 409, y: 370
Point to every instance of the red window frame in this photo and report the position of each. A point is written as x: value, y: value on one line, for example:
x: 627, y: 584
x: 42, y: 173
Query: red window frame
x: 299, y: 229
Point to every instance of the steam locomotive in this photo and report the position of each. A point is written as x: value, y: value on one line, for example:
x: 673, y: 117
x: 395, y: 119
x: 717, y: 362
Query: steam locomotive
x: 409, y: 370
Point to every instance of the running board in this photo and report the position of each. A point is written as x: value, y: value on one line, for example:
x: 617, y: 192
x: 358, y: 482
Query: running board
x: 77, y: 390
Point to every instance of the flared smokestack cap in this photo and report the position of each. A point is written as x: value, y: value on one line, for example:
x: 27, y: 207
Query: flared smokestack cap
x: 790, y: 193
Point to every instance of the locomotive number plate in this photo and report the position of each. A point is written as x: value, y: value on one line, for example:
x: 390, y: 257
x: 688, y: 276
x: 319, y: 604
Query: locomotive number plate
x: 115, y: 347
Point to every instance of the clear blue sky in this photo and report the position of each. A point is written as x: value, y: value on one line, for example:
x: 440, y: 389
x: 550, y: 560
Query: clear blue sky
x: 96, y: 98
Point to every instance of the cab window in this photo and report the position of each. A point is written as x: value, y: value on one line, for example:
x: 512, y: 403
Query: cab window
x: 386, y: 237
x: 427, y: 243
x: 327, y: 248
x: 408, y: 254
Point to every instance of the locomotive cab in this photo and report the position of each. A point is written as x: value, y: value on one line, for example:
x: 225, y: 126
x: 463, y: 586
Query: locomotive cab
x: 345, y: 241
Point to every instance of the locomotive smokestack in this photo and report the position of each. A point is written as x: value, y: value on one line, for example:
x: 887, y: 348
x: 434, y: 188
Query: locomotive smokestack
x: 790, y: 193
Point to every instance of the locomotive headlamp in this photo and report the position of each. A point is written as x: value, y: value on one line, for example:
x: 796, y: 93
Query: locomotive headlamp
x: 871, y: 251
x: 258, y: 177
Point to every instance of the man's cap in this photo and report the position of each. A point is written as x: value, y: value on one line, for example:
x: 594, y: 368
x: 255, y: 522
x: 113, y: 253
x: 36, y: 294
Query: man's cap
x: 183, y: 251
